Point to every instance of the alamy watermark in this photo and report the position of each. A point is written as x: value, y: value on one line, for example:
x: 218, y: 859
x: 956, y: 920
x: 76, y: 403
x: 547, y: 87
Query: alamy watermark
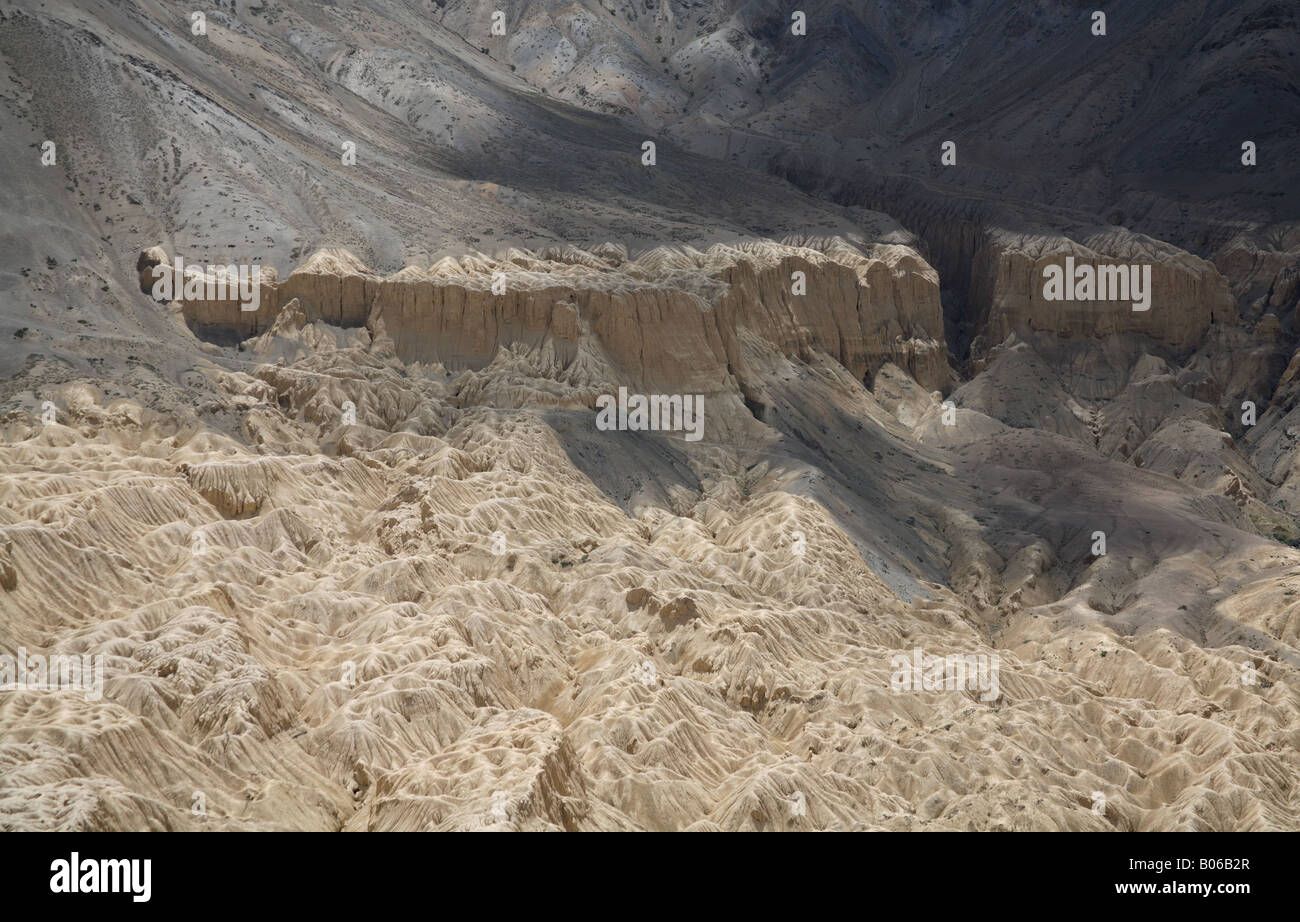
x: 1087, y: 282
x: 103, y: 875
x: 58, y: 672
x: 242, y: 283
x: 654, y: 412
x: 954, y: 672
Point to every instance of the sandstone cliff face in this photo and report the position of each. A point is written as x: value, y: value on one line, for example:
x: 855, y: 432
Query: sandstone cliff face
x: 1187, y: 293
x: 679, y: 319
x: 669, y: 321
x: 863, y: 310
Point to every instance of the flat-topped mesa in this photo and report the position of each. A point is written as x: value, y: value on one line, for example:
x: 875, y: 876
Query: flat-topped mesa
x: 670, y: 319
x: 1109, y: 282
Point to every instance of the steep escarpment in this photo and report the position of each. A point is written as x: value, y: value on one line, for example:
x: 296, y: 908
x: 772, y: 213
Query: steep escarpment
x: 1186, y: 294
x: 992, y: 253
x: 670, y: 320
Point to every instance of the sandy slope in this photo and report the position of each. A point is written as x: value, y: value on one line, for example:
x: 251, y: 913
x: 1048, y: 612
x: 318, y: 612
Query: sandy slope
x: 347, y: 651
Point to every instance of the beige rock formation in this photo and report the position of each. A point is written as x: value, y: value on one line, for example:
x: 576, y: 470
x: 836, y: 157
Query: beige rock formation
x: 443, y: 614
x: 671, y: 320
x: 1188, y: 294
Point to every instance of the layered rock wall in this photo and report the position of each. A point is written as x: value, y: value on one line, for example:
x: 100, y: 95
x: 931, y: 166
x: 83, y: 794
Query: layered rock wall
x: 669, y: 320
x: 1007, y: 289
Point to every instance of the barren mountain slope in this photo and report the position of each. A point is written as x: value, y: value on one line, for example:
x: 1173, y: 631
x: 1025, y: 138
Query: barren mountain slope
x: 1137, y: 121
